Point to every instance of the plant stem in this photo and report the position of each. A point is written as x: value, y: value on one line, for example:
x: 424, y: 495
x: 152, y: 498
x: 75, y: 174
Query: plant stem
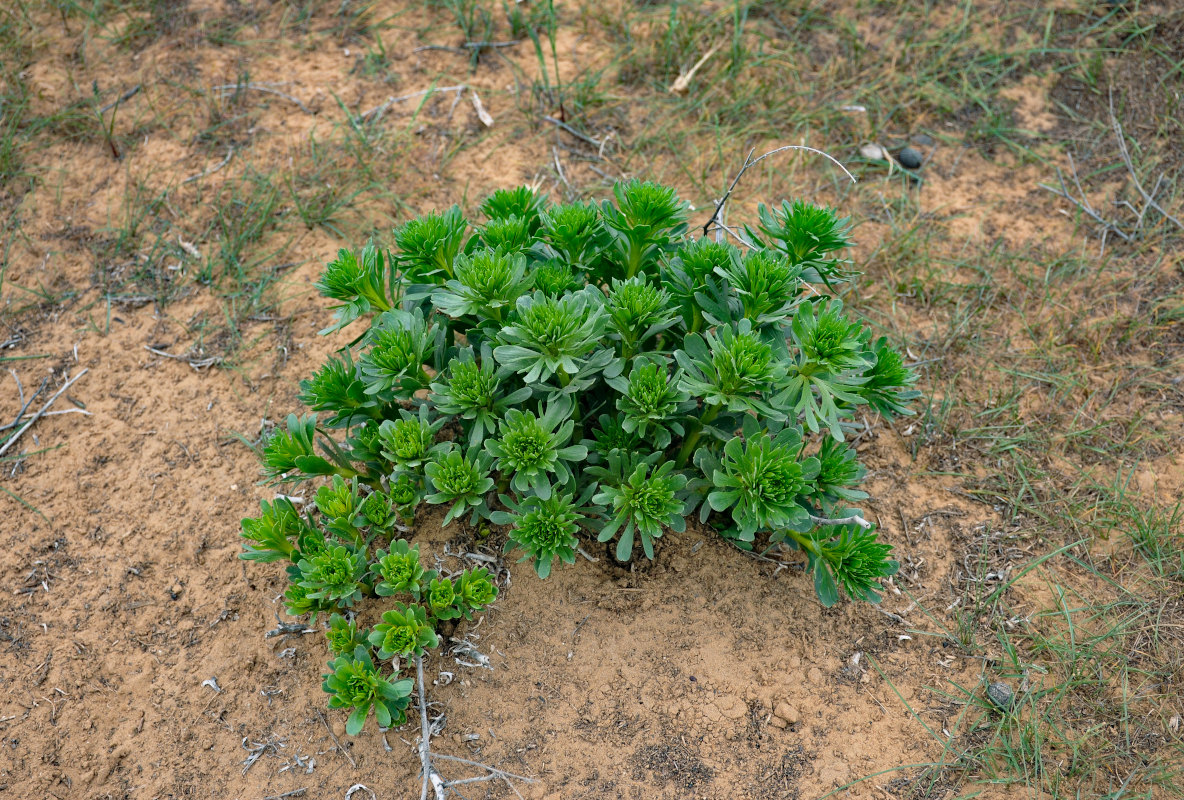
x: 347, y: 474
x: 688, y: 444
x: 805, y: 542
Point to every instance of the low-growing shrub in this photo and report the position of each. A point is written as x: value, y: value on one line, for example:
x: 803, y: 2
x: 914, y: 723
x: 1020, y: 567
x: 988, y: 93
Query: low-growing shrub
x: 572, y: 372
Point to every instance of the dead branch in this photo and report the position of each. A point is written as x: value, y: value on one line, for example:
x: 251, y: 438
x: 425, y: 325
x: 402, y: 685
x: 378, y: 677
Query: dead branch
x: 1082, y: 203
x: 257, y: 87
x: 750, y: 162
x: 128, y: 95
x: 1148, y: 199
x: 12, y: 439
x: 211, y: 170
x: 390, y: 101
x: 190, y: 358
x: 431, y: 778
x: 854, y: 519
x: 581, y: 136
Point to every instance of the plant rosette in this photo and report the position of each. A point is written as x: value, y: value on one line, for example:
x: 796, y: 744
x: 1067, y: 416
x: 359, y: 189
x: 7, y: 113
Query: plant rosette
x: 569, y: 373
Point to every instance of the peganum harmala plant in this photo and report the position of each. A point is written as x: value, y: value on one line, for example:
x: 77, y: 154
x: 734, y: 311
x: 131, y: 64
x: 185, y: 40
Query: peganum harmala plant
x: 575, y: 373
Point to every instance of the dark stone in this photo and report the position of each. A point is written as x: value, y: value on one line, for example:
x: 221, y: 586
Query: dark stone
x: 909, y: 158
x: 1001, y: 695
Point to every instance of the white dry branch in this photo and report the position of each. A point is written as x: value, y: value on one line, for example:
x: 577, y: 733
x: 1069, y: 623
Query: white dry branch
x: 190, y: 358
x: 44, y: 409
x: 381, y: 108
x: 433, y: 781
x: 749, y: 162
x: 206, y: 174
x: 231, y: 88
x: 482, y: 114
x: 854, y: 519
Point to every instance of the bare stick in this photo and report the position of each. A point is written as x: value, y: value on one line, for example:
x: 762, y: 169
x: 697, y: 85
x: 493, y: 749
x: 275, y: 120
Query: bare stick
x: 212, y: 170
x: 20, y: 390
x: 390, y: 101
x: 1083, y: 204
x: 256, y: 87
x: 433, y: 779
x: 293, y: 793
x: 12, y: 439
x: 749, y: 162
x: 430, y: 776
x: 479, y: 765
x: 1149, y: 199
x: 559, y: 167
x: 337, y: 741
x: 196, y: 363
x: 444, y: 47
x: 1085, y: 208
x: 854, y: 519
x: 481, y: 45
x: 82, y: 411
x: 25, y: 403
x: 683, y: 82
x: 285, y: 628
x: 573, y: 131
x: 128, y: 95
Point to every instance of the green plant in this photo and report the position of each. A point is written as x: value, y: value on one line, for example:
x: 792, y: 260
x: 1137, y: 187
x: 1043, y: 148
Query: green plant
x: 528, y: 449
x: 357, y: 683
x: 641, y: 502
x: 343, y: 635
x: 545, y: 529
x: 760, y: 479
x: 647, y: 375
x: 399, y: 571
x: 405, y: 631
x: 333, y: 567
x: 472, y: 392
x: 460, y: 478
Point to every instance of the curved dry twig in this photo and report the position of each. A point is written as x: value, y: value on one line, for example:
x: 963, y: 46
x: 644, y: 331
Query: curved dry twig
x: 749, y: 162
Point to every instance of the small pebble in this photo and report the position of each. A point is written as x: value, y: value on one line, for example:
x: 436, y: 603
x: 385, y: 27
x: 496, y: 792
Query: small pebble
x: 873, y: 151
x: 922, y: 140
x: 909, y: 158
x: 1001, y: 695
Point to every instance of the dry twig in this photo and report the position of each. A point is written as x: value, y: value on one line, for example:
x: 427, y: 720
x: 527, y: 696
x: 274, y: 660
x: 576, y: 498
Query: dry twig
x: 581, y: 136
x: 190, y: 358
x: 683, y: 82
x: 211, y: 171
x: 431, y: 778
x: 258, y: 87
x: 41, y: 413
x: 854, y: 519
x: 128, y: 95
x: 390, y: 101
x: 749, y: 162
x: 1082, y: 203
x: 337, y: 741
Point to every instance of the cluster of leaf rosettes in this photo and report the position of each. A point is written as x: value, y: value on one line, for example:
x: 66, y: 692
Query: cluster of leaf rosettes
x: 585, y: 370
x: 339, y: 554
